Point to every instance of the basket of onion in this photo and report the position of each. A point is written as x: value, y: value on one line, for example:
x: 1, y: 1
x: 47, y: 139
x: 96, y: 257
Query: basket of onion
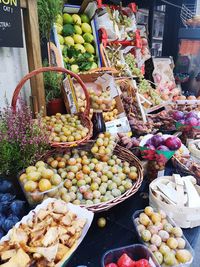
x: 158, y: 149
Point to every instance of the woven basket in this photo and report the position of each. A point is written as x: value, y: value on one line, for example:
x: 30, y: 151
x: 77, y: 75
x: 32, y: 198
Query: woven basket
x: 84, y: 116
x: 182, y: 169
x: 123, y: 154
x: 92, y: 75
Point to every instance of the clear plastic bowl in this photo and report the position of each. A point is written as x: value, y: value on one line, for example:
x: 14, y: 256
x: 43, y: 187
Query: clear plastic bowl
x: 37, y: 197
x: 135, y: 252
x: 187, y: 246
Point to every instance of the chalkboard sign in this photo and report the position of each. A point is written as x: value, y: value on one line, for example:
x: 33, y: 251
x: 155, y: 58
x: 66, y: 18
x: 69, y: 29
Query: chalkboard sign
x: 10, y: 24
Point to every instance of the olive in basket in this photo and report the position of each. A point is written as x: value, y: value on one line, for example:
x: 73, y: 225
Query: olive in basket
x: 65, y: 128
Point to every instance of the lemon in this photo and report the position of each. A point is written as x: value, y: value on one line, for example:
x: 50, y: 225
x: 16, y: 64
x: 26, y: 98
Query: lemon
x: 78, y: 39
x: 59, y: 19
x: 67, y: 18
x: 84, y: 18
x: 75, y: 68
x: 76, y: 19
x: 61, y: 39
x: 88, y: 37
x: 77, y: 29
x: 80, y: 47
x: 59, y: 28
x: 69, y: 40
x: 86, y: 28
x: 91, y: 59
x: 89, y: 48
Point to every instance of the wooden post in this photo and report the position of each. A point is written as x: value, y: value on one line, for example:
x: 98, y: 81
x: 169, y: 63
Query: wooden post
x: 32, y: 36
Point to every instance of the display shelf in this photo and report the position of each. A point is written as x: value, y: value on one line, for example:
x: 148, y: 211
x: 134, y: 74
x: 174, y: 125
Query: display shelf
x: 189, y: 33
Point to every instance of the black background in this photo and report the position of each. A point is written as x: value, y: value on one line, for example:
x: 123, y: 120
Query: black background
x: 11, y: 36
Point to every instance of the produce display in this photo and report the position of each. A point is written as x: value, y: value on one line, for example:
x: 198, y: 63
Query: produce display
x: 77, y: 42
x: 65, y: 128
x: 126, y: 261
x: 11, y: 209
x: 79, y: 176
x: 164, y: 239
x: 100, y: 100
x: 186, y: 119
x: 149, y: 93
x: 163, y: 143
x: 43, y: 240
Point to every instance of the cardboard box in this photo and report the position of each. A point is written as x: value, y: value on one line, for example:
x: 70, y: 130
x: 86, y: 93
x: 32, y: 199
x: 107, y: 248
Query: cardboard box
x: 74, y: 9
x: 115, y: 126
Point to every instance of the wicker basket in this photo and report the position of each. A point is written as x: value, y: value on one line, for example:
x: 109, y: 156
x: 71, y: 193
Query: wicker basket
x: 92, y: 75
x: 182, y: 169
x: 84, y: 116
x: 121, y: 153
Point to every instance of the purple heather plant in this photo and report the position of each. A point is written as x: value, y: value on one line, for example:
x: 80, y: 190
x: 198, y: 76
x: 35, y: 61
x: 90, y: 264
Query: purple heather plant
x: 23, y: 140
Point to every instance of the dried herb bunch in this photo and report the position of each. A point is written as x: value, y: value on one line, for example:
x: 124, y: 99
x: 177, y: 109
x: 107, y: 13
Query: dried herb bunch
x: 23, y: 140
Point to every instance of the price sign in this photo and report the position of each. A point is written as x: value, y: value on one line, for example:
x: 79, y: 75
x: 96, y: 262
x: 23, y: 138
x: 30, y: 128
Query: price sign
x: 10, y: 24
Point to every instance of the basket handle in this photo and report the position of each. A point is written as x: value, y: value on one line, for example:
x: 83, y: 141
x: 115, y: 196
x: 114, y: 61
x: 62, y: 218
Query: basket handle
x: 45, y: 69
x: 103, y: 69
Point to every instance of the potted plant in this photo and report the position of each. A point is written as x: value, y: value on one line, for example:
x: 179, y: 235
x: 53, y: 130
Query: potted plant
x: 52, y: 85
x: 23, y: 140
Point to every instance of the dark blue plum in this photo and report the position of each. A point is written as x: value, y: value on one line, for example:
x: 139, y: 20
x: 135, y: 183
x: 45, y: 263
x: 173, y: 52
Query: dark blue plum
x: 7, y: 197
x: 4, y: 207
x: 5, y: 186
x: 1, y: 233
x: 18, y: 208
x: 9, y: 222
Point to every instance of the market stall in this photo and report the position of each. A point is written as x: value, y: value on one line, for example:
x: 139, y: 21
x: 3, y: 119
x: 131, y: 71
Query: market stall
x: 110, y: 175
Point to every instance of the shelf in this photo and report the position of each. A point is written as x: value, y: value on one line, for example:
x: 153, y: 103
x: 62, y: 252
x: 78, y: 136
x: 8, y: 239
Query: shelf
x: 189, y: 33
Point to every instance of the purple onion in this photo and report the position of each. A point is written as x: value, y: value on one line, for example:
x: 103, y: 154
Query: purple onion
x: 191, y: 114
x: 163, y: 148
x: 150, y: 147
x: 177, y: 115
x: 182, y: 121
x: 191, y: 121
x: 157, y: 140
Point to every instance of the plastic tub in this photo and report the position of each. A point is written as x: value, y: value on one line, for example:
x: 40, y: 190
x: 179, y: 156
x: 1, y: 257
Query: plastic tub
x: 136, y: 252
x: 188, y: 247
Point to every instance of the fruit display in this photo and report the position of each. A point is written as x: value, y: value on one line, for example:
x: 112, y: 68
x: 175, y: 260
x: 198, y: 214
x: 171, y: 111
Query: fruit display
x: 190, y: 119
x: 163, y: 143
x: 90, y: 181
x: 126, y: 64
x: 104, y: 146
x: 163, y: 120
x: 120, y: 21
x: 42, y: 180
x: 100, y: 99
x: 126, y: 261
x: 45, y: 238
x: 65, y: 128
x: 11, y: 209
x: 149, y: 93
x: 77, y: 42
x: 111, y: 115
x: 79, y: 177
x: 163, y: 238
x: 130, y: 256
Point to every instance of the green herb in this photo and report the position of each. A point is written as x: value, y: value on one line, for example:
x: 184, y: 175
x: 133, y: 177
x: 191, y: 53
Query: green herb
x: 48, y: 10
x: 52, y: 84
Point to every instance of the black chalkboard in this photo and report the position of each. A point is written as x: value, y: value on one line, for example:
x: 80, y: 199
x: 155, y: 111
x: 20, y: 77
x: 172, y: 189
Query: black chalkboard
x: 10, y: 24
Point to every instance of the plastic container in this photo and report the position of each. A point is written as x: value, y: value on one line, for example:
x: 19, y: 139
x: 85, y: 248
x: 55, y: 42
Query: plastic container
x: 136, y: 252
x: 37, y: 197
x: 187, y: 246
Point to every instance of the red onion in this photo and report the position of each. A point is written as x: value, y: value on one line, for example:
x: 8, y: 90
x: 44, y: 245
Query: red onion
x: 178, y: 115
x: 191, y: 121
x: 191, y: 114
x: 173, y: 143
x: 163, y: 148
x: 157, y: 140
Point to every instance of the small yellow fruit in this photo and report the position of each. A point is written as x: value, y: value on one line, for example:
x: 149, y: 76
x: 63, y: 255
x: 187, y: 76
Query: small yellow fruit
x: 44, y: 185
x: 47, y: 174
x: 31, y: 169
x: 30, y: 186
x: 33, y: 176
x: 101, y: 222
